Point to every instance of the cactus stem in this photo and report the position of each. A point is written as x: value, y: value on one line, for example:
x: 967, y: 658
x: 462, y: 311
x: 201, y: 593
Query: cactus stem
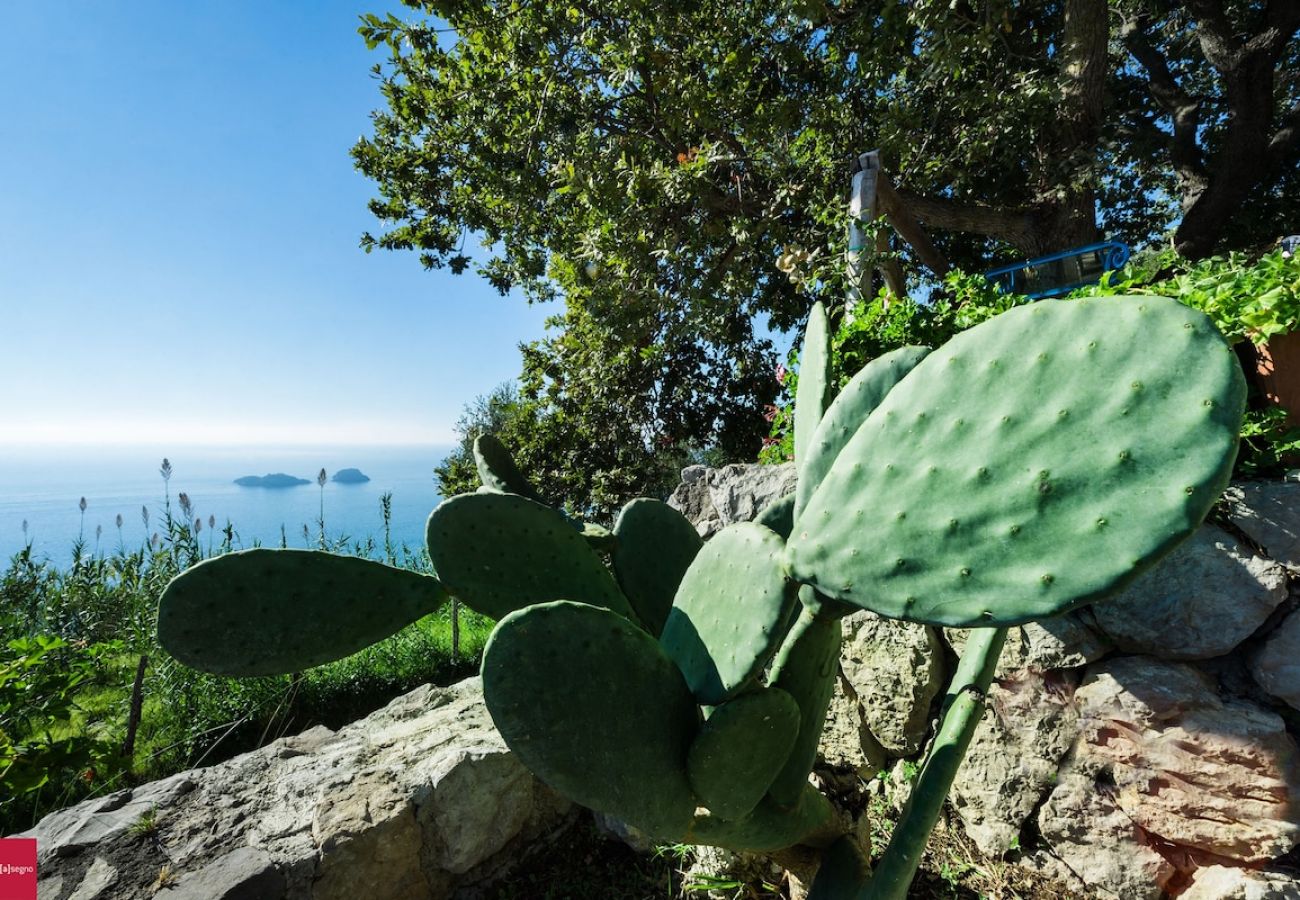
x: 965, y: 706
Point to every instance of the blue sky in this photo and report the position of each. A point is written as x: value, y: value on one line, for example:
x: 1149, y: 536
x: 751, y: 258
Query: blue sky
x: 179, y: 221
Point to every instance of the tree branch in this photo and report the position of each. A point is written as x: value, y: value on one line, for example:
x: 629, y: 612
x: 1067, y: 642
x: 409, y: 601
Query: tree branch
x: 1015, y: 226
x: 1287, y: 139
x: 900, y: 215
x: 1183, y: 109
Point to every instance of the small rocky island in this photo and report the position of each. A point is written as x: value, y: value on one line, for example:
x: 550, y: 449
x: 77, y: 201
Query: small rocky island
x: 275, y: 480
x: 350, y: 476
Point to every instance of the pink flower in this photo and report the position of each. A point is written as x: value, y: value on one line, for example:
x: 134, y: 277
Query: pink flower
x: 770, y: 441
x: 769, y: 412
x: 780, y: 373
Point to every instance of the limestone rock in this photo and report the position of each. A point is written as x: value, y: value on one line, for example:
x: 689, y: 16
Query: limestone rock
x: 846, y: 741
x: 1276, y: 666
x: 1061, y: 642
x: 896, y: 670
x: 96, y: 882
x: 422, y: 798
x: 741, y: 492
x: 1201, y: 601
x: 1231, y: 883
x: 1028, y: 727
x: 1102, y: 845
x: 715, y: 498
x: 1269, y: 513
x: 104, y: 819
x: 1197, y: 772
x: 692, y: 499
x: 243, y: 874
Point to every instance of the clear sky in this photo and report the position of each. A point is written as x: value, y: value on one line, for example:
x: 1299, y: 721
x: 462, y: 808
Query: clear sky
x: 179, y: 224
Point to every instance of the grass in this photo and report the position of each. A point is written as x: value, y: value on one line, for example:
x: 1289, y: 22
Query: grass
x: 103, y: 609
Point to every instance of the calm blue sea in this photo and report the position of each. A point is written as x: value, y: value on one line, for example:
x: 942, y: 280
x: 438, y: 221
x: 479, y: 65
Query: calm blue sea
x: 43, y: 486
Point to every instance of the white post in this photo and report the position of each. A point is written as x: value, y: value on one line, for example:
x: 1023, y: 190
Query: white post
x: 862, y: 208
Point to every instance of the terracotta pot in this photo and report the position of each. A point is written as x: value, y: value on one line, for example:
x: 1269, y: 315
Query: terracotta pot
x: 1277, y: 369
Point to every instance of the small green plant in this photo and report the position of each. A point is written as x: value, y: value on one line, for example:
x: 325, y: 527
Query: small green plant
x: 146, y: 825
x: 1033, y: 464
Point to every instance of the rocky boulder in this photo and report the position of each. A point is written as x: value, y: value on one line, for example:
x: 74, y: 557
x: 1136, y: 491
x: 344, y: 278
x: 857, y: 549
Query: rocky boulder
x: 416, y: 801
x: 895, y: 670
x: 715, y: 498
x: 1180, y: 610
x: 1164, y: 767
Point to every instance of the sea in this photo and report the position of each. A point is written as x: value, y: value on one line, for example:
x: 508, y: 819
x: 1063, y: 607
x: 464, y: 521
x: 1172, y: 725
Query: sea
x: 41, y: 489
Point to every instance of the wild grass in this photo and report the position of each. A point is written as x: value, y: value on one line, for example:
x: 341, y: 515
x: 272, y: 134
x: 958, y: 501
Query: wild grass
x: 103, y: 608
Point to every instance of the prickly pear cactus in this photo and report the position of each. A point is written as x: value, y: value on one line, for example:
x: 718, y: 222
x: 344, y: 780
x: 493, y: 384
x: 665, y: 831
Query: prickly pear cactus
x: 1036, y: 462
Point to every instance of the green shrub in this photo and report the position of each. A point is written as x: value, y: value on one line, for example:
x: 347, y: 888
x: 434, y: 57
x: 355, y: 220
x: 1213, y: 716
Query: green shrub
x: 1246, y: 298
x: 41, y: 749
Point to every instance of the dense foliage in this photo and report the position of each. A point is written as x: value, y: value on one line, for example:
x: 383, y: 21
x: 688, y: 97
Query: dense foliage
x: 652, y: 164
x: 1246, y: 299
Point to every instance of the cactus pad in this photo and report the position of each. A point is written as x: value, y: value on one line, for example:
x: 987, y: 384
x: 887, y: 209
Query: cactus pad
x: 730, y: 612
x: 740, y: 749
x: 1037, y: 462
x: 501, y: 552
x: 810, y: 820
x: 814, y: 390
x: 778, y: 516
x: 594, y: 708
x: 848, y: 411
x: 497, y: 469
x: 271, y: 612
x: 654, y: 546
x: 806, y: 669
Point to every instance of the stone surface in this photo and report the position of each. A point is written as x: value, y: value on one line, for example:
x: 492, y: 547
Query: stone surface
x: 1230, y: 883
x: 1099, y: 843
x: 715, y: 498
x: 1276, y: 665
x: 1028, y: 728
x: 1200, y: 774
x: 1200, y: 601
x: 693, y: 500
x: 846, y: 741
x: 243, y: 874
x: 1061, y: 642
x: 96, y: 882
x: 419, y: 800
x: 1269, y: 514
x: 895, y: 669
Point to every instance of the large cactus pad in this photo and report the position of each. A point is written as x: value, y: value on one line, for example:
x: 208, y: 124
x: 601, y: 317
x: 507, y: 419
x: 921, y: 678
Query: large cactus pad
x: 271, y: 612
x: 497, y: 469
x: 740, y: 749
x: 1037, y: 462
x: 815, y: 388
x: 654, y: 546
x: 730, y: 612
x: 595, y: 709
x: 501, y: 552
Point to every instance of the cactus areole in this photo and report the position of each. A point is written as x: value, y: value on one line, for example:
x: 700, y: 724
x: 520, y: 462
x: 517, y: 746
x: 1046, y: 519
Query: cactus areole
x: 1035, y: 463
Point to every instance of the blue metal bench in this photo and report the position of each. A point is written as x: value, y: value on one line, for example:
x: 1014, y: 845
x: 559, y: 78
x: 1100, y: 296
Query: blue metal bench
x: 1060, y: 273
